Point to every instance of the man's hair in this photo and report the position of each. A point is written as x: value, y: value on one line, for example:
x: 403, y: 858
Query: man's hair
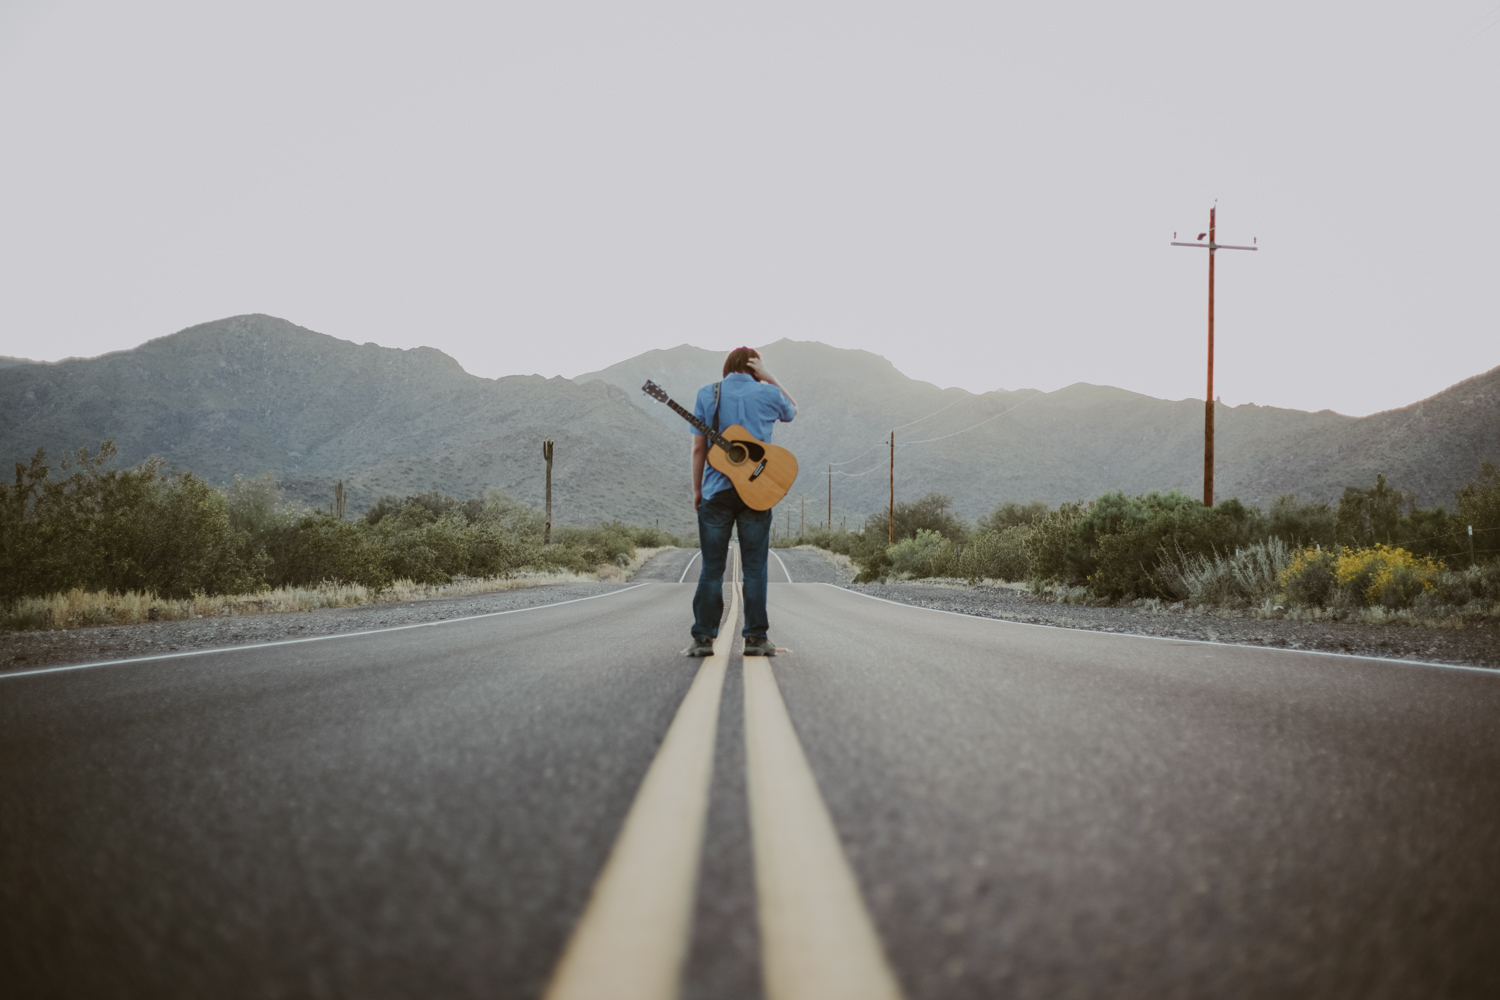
x: 739, y: 360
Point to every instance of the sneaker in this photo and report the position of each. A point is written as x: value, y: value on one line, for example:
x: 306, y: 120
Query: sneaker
x: 702, y: 646
x: 759, y: 646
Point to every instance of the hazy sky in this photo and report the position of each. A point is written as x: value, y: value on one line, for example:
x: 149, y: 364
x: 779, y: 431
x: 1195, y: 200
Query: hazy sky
x: 981, y: 192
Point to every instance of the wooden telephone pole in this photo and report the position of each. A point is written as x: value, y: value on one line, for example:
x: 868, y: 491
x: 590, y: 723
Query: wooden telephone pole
x: 891, y: 517
x: 830, y: 498
x: 547, y: 531
x: 1208, y: 407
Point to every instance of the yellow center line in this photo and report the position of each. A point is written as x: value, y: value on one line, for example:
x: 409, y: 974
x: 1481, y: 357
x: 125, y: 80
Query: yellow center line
x: 632, y: 940
x: 817, y: 939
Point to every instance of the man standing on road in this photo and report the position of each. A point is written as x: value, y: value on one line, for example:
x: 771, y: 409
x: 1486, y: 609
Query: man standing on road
x: 751, y: 397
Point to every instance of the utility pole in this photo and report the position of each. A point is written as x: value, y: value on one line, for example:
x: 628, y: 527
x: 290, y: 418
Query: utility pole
x: 802, y: 524
x: 891, y: 516
x: 1208, y: 407
x: 830, y: 498
x: 547, y: 531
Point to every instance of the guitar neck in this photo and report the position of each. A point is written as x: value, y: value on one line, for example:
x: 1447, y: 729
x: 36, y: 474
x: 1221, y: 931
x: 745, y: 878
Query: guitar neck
x: 698, y: 425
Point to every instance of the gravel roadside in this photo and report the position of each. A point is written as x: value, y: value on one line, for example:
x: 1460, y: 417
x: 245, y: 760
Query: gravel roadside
x: 29, y: 650
x: 1477, y: 643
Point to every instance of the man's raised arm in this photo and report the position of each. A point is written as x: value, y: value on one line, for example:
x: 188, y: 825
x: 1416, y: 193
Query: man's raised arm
x: 758, y: 369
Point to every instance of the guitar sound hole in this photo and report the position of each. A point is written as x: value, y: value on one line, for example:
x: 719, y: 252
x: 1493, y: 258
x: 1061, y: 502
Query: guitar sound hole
x: 737, y: 454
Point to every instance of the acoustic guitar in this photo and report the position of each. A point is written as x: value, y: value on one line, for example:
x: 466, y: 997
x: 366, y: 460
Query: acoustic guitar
x: 761, y: 473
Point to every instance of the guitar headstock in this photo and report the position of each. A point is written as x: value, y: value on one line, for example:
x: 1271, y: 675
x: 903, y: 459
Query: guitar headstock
x: 655, y: 391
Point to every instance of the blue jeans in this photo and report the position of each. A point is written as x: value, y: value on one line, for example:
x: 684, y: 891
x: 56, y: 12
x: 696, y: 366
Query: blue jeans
x: 717, y: 517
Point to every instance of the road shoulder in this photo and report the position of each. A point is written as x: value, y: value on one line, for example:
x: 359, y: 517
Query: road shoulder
x: 30, y: 650
x: 1473, y: 645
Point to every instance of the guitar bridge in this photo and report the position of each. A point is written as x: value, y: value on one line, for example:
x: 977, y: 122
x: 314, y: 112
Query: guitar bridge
x: 758, y: 470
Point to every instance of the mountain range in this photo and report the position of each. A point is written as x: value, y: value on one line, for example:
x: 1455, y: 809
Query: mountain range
x: 251, y: 394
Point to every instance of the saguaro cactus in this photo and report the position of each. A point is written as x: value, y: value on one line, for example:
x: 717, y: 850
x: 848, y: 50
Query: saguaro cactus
x: 547, y: 530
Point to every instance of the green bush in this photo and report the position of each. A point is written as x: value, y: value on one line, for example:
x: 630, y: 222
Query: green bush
x: 144, y: 529
x: 1010, y: 514
x: 1309, y: 579
x: 996, y: 555
x: 926, y: 554
x: 107, y: 529
x: 1477, y: 504
x: 1053, y: 548
x: 838, y: 540
x: 932, y: 512
x: 1300, y: 525
x: 314, y: 548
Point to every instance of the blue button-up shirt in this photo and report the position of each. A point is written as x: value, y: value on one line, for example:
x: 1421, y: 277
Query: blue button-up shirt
x: 755, y: 406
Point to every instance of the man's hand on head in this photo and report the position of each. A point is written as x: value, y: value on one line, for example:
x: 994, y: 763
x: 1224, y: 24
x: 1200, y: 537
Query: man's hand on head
x: 760, y: 374
x: 758, y: 371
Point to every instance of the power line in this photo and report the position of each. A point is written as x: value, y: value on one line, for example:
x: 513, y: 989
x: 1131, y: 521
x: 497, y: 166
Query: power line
x: 873, y: 468
x: 972, y: 426
x: 859, y: 456
x: 907, y: 444
x: 933, y: 413
x: 884, y: 443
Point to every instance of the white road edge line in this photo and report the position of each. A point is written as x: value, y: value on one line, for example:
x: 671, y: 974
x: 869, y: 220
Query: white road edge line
x: 632, y: 941
x: 783, y: 566
x: 1167, y: 638
x: 817, y: 939
x: 689, y: 565
x: 312, y: 638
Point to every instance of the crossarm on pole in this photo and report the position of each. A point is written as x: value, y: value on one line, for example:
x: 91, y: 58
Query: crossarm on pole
x: 1212, y: 246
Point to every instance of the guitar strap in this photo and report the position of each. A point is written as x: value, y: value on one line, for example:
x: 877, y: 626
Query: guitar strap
x: 716, y: 406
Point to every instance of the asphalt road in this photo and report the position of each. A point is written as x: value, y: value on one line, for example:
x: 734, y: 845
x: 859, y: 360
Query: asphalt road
x: 1026, y: 811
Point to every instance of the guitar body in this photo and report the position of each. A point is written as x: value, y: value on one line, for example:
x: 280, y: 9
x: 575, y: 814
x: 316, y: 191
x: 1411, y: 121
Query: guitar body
x: 761, y: 473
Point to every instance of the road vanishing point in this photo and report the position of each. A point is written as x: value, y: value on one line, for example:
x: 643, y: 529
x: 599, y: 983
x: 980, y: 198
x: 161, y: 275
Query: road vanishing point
x: 556, y: 802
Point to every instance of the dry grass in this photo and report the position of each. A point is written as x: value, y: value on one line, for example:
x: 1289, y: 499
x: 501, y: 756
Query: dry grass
x: 81, y: 609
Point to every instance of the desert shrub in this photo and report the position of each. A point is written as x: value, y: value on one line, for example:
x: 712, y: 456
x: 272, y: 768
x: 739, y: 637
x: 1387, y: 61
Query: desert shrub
x: 868, y: 550
x: 932, y: 512
x: 148, y: 531
x: 1473, y: 583
x: 611, y: 543
x: 838, y: 540
x: 416, y: 544
x: 1383, y: 515
x: 1012, y: 515
x: 436, y: 504
x: 1053, y: 549
x: 1370, y: 517
x: 1248, y: 575
x: 1380, y: 575
x: 1392, y: 577
x: 175, y: 539
x: 995, y: 555
x: 315, y: 548
x: 1300, y: 525
x: 1309, y: 578
x: 1124, y: 539
x: 110, y: 529
x: 1477, y: 504
x: 926, y: 554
